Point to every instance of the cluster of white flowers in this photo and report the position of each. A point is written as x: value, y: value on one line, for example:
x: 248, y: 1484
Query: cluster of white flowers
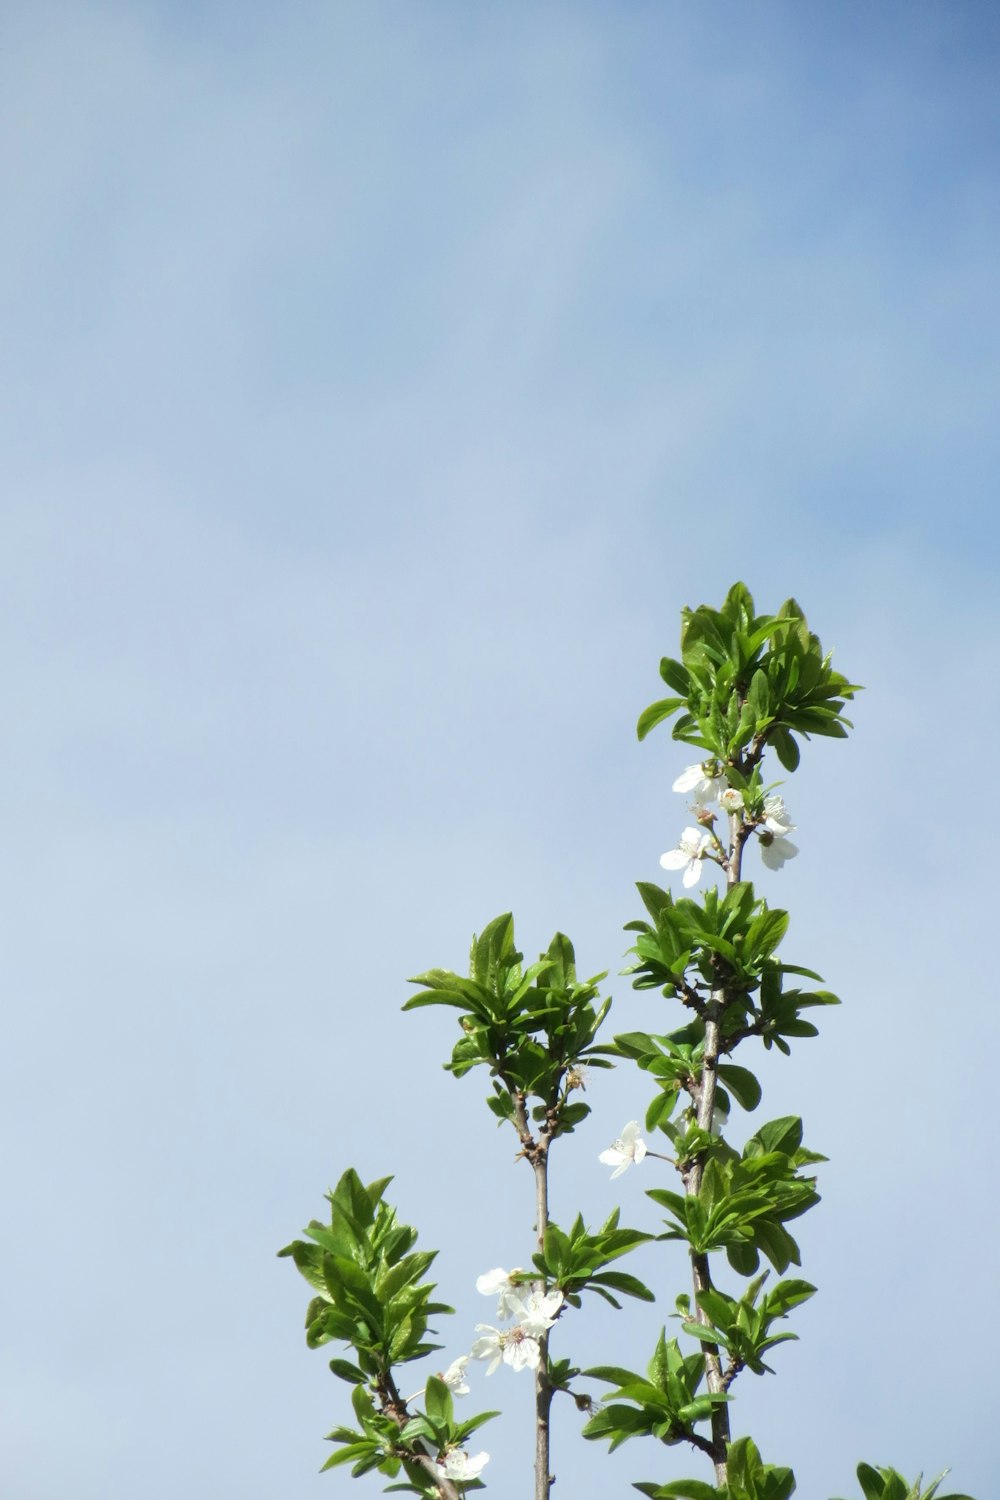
x: 532, y: 1314
x: 704, y: 786
x: 517, y: 1345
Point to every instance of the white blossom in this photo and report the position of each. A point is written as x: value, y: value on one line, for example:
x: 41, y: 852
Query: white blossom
x: 628, y: 1148
x: 499, y: 1283
x: 518, y: 1345
x: 536, y: 1314
x: 454, y: 1376
x: 774, y: 824
x: 776, y: 818
x: 515, y: 1346
x: 731, y: 799
x: 688, y: 855
x: 456, y: 1464
x: 697, y: 780
x: 775, y: 850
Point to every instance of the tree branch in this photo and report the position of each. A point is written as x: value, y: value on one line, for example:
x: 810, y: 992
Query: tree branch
x: 395, y: 1407
x: 543, y: 1390
x: 701, y: 1274
x: 537, y: 1153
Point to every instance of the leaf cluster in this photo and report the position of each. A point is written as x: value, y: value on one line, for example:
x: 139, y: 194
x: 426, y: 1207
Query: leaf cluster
x: 742, y: 1325
x: 368, y: 1281
x: 745, y: 680
x: 676, y: 1063
x: 533, y: 1026
x: 371, y: 1295
x: 723, y: 945
x: 574, y: 1262
x: 379, y: 1442
x: 748, y: 1478
x: 744, y: 1200
x: 665, y: 1403
x: 888, y: 1484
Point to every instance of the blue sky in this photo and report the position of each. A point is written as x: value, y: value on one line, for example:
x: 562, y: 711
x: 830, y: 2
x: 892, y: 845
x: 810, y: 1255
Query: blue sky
x: 378, y: 382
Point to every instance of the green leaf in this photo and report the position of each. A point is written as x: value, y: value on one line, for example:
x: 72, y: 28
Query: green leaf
x: 467, y: 1428
x: 786, y: 1295
x: 675, y: 676
x: 784, y: 1134
x: 870, y: 1481
x: 613, y: 1374
x: 705, y: 1333
x: 742, y: 1084
x: 418, y: 1427
x: 440, y: 1407
x: 660, y: 1109
x: 785, y: 747
x: 743, y: 1258
x: 758, y: 696
x: 620, y: 1281
x: 681, y: 1489
x: 656, y: 713
x: 777, y: 1244
x: 351, y: 1197
x: 349, y: 1453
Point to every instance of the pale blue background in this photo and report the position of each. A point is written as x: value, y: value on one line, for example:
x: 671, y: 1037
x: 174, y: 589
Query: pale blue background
x: 378, y: 382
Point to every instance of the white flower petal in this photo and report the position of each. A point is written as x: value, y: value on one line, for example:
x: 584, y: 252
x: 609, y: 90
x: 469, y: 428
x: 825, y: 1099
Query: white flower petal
x: 457, y: 1464
x: 688, y: 854
x: 674, y: 859
x: 522, y: 1353
x: 491, y: 1347
x: 628, y: 1148
x: 500, y: 1283
x: 551, y: 1302
x: 454, y: 1376
x: 776, y: 815
x: 777, y: 851
x: 696, y: 780
x: 491, y: 1281
x: 537, y: 1313
x: 689, y: 779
